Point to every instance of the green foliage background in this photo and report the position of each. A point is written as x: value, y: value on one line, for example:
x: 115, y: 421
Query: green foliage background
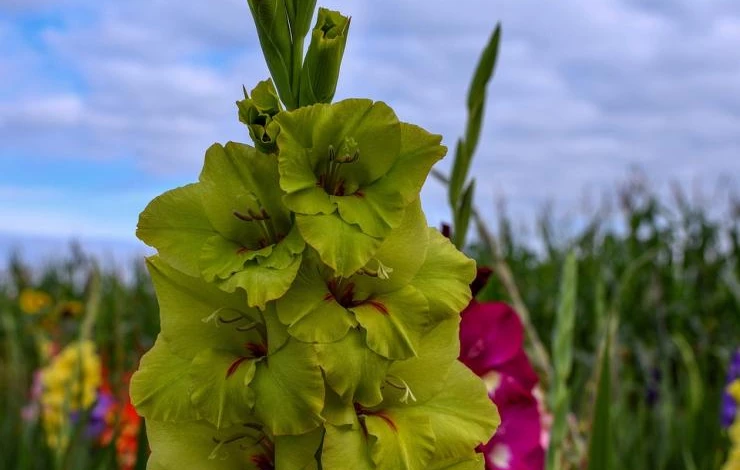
x: 664, y: 268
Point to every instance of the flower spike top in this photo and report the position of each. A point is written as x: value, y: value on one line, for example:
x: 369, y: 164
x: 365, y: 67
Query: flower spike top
x: 309, y: 316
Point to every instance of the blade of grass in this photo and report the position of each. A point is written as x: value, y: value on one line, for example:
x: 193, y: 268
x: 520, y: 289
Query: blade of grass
x: 562, y: 355
x: 600, y: 445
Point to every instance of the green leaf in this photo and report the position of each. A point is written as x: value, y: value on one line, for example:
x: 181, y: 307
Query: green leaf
x: 289, y: 390
x: 475, y: 104
x: 484, y: 69
x: 177, y: 446
x: 189, y: 309
x: 394, y: 322
x: 565, y: 320
x: 601, y: 440
x: 445, y: 277
x: 462, y: 415
x: 402, y: 441
x: 460, y: 166
x: 273, y: 29
x: 177, y: 226
x: 160, y: 389
x: 341, y: 246
x: 562, y: 353
x: 346, y: 447
x: 352, y: 370
x: 298, y: 452
x: 462, y: 216
x: 219, y: 386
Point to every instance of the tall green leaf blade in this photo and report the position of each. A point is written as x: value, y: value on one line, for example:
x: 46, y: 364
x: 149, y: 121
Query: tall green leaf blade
x: 462, y: 215
x: 600, y: 446
x: 562, y: 353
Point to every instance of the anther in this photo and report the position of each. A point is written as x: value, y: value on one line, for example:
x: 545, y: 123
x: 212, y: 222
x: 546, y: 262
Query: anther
x: 243, y: 217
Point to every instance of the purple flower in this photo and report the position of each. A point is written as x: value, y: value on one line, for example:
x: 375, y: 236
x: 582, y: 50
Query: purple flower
x: 491, y: 337
x: 729, y: 405
x: 517, y: 442
x: 98, y: 420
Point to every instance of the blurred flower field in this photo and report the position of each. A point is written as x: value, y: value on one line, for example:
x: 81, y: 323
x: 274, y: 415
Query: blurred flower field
x: 658, y: 278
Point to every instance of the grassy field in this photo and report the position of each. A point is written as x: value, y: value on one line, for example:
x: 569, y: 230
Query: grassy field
x: 659, y: 277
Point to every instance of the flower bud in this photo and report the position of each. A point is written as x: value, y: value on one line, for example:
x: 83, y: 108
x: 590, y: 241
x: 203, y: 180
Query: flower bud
x: 273, y: 30
x: 324, y: 58
x: 300, y: 13
x: 257, y: 111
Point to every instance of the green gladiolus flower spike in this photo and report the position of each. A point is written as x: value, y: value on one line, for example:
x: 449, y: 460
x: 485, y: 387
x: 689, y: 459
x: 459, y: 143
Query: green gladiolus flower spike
x: 309, y: 316
x: 231, y: 228
x: 350, y: 169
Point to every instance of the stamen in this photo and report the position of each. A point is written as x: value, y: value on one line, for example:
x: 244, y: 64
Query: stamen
x: 247, y: 327
x: 349, y: 153
x: 230, y: 320
x: 265, y: 224
x: 408, y: 394
x: 241, y: 216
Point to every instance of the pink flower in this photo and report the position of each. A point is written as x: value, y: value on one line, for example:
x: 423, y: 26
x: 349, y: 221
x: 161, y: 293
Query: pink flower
x: 491, y: 338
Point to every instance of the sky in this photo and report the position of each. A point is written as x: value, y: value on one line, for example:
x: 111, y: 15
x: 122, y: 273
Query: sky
x: 106, y: 104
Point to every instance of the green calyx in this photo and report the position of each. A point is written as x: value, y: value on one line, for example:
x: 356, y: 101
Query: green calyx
x: 309, y: 315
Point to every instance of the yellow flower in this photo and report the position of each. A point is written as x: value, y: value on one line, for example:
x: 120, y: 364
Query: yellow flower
x: 734, y: 390
x: 733, y: 460
x: 70, y: 383
x: 33, y: 301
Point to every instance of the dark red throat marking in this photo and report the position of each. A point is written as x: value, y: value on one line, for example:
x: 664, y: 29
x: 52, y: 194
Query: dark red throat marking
x: 234, y: 366
x: 378, y: 306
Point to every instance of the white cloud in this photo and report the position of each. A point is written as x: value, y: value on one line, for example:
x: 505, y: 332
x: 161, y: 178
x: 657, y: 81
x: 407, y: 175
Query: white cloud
x: 582, y: 91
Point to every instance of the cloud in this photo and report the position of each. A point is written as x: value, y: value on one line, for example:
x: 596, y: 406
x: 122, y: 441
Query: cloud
x: 583, y: 90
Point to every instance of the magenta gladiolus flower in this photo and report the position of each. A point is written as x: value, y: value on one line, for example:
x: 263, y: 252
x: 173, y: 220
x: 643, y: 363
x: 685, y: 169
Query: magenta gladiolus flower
x: 491, y: 345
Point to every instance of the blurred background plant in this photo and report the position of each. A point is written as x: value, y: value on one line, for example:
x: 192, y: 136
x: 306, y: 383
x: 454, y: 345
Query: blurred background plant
x: 69, y: 336
x: 658, y: 275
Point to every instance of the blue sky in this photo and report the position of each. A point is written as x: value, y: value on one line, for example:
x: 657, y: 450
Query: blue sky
x: 104, y: 105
